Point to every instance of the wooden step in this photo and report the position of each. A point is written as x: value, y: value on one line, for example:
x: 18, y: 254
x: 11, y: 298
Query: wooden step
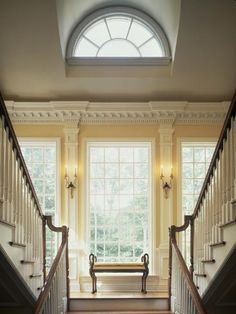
x: 12, y: 243
x: 122, y: 302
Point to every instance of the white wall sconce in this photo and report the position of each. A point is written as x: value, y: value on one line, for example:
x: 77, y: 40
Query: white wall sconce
x: 71, y: 184
x: 166, y: 185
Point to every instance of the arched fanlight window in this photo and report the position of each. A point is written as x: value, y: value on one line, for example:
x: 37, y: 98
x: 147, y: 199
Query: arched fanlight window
x: 118, y: 33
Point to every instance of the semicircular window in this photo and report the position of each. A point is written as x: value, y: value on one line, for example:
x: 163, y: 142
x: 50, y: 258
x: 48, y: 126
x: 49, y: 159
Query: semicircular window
x: 118, y: 33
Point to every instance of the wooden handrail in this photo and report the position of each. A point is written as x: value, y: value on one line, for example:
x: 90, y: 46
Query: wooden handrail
x: 48, y: 282
x: 227, y: 124
x: 16, y: 147
x: 186, y: 274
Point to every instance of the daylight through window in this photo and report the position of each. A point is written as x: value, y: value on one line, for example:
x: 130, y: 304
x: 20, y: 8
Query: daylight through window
x: 41, y: 161
x: 118, y: 33
x: 195, y: 161
x: 119, y: 201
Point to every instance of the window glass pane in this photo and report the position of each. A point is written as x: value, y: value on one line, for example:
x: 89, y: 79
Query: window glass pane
x: 85, y: 48
x: 96, y: 186
x: 118, y: 26
x: 112, y: 186
x: 126, y: 154
x: 188, y: 170
x: 152, y: 48
x: 111, y: 170
x: 140, y: 154
x: 138, y: 33
x: 187, y: 153
x: 37, y: 154
x: 97, y: 170
x: 199, y: 154
x: 111, y: 154
x: 97, y: 154
x: 119, y: 204
x: 118, y: 48
x: 126, y: 170
x: 98, y: 33
x: 141, y: 170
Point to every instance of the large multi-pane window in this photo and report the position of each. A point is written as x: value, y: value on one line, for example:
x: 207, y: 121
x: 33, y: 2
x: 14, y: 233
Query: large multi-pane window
x: 195, y: 161
x: 119, y: 200
x: 41, y: 161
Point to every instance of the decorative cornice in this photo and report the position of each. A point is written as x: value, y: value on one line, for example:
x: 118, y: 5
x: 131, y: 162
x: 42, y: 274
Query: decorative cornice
x: 98, y: 113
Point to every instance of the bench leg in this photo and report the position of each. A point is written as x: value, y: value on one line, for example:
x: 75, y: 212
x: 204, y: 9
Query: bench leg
x: 144, y: 278
x: 94, y: 281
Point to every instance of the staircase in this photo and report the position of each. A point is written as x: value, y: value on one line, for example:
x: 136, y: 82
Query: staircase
x: 208, y: 286
x: 25, y: 288
x: 212, y: 237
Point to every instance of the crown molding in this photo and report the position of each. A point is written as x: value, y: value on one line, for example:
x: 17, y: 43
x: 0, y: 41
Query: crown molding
x: 84, y: 112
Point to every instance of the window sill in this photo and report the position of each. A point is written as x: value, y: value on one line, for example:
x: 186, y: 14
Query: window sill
x: 118, y: 67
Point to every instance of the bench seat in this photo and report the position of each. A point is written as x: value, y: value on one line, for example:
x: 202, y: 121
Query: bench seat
x: 96, y: 267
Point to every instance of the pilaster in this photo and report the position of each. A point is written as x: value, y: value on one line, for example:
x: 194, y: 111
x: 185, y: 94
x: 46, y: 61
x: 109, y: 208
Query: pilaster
x: 166, y: 204
x: 71, y: 132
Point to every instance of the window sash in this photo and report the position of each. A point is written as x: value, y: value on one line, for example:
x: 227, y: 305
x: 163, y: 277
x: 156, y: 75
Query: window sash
x: 119, y: 256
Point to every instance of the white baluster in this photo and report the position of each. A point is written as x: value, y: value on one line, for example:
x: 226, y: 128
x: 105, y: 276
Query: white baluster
x: 6, y: 178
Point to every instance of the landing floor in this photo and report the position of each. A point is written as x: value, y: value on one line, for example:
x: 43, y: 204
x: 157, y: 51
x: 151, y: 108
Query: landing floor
x: 118, y: 295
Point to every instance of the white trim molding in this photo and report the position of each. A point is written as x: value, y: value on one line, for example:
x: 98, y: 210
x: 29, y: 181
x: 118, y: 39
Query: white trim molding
x: 84, y: 112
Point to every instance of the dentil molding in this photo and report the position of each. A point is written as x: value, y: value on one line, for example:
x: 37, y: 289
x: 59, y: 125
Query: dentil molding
x: 81, y: 112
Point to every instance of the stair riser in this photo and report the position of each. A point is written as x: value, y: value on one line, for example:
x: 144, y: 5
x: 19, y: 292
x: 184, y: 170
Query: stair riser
x: 119, y: 305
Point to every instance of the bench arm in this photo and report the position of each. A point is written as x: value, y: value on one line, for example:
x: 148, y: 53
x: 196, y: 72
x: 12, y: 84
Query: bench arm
x: 145, y: 260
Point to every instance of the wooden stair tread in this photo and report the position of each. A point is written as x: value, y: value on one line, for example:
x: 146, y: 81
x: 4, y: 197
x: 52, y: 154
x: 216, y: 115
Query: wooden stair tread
x: 118, y: 295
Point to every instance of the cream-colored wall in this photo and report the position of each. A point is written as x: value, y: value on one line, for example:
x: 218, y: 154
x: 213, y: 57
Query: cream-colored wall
x: 143, y: 131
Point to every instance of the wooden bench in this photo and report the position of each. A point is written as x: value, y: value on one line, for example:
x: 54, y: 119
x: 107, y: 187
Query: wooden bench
x: 96, y: 267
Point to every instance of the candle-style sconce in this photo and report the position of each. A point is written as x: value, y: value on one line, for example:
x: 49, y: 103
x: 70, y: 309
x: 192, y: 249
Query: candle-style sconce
x: 71, y: 184
x: 166, y: 185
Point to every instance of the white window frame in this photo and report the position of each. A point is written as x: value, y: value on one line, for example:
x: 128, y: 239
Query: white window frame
x: 125, y: 11
x: 204, y: 140
x: 57, y: 140
x: 180, y: 141
x: 152, y: 222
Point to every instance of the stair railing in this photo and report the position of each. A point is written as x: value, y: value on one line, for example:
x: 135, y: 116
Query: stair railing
x: 214, y: 209
x: 54, y: 295
x: 184, y: 297
x: 20, y: 209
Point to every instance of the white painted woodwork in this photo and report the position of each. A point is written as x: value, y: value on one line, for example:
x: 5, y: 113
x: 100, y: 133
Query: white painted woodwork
x: 19, y: 213
x: 56, y: 301
x: 166, y: 204
x: 71, y: 132
x: 181, y: 299
x: 217, y: 208
x: 57, y: 112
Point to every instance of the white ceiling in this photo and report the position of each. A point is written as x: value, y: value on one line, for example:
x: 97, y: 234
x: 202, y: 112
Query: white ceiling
x: 33, y: 36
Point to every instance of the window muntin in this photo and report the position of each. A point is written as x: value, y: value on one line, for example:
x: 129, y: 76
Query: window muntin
x: 133, y: 40
x: 119, y: 200
x: 41, y: 160
x: 195, y: 161
x: 118, y: 32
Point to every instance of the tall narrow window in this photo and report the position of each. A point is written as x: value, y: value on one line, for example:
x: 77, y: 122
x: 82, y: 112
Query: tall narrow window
x: 195, y: 160
x: 41, y: 161
x: 119, y: 200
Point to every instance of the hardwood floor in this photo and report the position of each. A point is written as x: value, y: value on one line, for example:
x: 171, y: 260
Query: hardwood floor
x: 118, y: 295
